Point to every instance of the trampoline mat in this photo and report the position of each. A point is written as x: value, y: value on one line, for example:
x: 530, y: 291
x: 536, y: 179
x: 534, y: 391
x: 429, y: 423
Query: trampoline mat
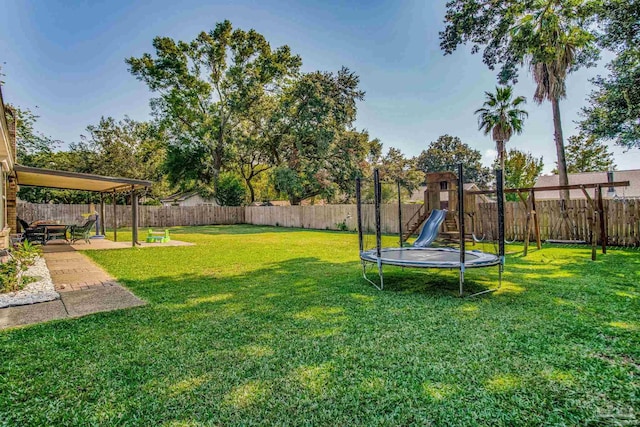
x: 430, y: 257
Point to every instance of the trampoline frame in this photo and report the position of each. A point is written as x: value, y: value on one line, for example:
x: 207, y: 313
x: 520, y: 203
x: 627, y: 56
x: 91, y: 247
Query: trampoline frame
x: 374, y: 256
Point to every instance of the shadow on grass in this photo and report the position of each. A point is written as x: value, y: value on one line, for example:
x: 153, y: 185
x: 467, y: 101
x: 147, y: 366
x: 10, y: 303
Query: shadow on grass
x: 309, y: 340
x: 298, y: 281
x: 245, y: 229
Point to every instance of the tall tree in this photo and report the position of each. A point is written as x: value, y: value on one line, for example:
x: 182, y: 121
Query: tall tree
x: 125, y: 148
x: 501, y: 117
x: 587, y: 154
x: 614, y: 107
x: 521, y: 170
x: 31, y: 145
x: 256, y: 142
x: 38, y: 150
x: 318, y: 152
x: 554, y: 37
x: 395, y: 167
x: 446, y: 152
x: 204, y: 86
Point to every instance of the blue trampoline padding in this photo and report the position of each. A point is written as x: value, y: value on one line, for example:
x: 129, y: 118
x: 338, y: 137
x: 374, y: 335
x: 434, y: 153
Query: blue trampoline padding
x: 430, y: 229
x: 430, y: 257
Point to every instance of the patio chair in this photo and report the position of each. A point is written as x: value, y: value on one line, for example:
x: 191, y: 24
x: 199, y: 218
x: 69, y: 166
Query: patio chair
x: 77, y: 232
x: 32, y: 234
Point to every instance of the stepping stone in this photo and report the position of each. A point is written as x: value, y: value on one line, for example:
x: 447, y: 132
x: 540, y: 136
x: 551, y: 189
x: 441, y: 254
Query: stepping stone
x: 99, y: 298
x: 34, y: 313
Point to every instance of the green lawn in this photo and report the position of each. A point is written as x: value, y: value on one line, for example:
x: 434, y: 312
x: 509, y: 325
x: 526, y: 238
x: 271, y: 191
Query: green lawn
x: 272, y: 326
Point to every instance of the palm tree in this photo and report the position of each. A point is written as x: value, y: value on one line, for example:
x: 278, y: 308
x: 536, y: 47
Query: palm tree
x: 501, y: 117
x: 557, y: 38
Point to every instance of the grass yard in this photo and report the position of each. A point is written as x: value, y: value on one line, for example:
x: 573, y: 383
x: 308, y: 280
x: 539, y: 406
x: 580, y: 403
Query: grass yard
x: 272, y: 326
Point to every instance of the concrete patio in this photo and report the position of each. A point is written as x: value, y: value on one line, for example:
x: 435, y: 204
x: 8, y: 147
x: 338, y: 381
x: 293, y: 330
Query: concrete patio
x: 104, y: 244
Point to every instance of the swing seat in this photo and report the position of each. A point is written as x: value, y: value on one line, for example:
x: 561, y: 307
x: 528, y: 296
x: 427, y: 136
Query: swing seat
x: 567, y: 242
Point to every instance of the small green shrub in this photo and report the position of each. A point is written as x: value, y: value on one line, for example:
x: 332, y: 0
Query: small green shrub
x: 26, y: 253
x: 9, y: 280
x: 20, y: 258
x: 230, y: 191
x: 342, y: 226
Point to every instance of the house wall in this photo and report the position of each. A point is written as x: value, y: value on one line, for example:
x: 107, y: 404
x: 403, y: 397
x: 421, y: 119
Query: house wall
x: 630, y: 192
x: 8, y: 191
x: 195, y: 200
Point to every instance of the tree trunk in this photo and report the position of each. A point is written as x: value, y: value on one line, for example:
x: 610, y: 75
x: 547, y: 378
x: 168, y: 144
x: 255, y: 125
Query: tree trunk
x: 252, y: 192
x: 500, y: 150
x: 562, y: 162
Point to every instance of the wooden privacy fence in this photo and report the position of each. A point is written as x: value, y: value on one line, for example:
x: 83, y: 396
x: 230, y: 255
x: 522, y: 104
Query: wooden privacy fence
x: 622, y: 219
x: 150, y: 216
x: 328, y: 217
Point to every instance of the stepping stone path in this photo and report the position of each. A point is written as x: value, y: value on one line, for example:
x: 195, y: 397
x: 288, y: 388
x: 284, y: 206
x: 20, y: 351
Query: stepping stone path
x: 73, y: 271
x: 84, y: 288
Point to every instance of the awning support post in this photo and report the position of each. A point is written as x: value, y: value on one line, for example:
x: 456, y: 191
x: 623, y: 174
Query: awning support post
x: 134, y: 217
x: 103, y: 216
x: 115, y: 217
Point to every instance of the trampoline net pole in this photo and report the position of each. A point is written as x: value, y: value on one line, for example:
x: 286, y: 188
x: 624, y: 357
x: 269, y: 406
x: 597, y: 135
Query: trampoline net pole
x: 377, y: 196
x: 500, y: 194
x: 461, y: 224
x: 359, y: 213
x: 399, y: 214
x: 377, y: 201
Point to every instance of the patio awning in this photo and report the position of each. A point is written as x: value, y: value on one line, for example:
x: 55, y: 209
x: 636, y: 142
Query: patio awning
x: 49, y: 178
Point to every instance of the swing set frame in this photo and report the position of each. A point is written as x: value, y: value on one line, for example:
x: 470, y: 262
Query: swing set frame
x: 596, y: 214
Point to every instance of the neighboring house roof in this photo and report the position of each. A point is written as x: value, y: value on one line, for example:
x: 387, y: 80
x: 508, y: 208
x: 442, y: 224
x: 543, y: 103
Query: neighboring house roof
x: 277, y: 203
x: 179, y: 197
x: 418, y: 194
x: 632, y: 191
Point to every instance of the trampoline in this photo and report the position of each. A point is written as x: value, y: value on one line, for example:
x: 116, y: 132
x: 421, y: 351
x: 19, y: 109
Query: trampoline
x: 430, y: 258
x: 422, y: 256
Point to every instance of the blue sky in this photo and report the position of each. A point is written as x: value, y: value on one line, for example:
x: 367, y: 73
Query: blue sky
x: 65, y: 61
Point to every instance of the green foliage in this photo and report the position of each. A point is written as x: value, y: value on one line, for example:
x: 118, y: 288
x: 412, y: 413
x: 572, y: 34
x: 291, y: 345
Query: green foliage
x: 394, y: 167
x: 553, y: 37
x: 342, y: 226
x: 521, y: 171
x: 446, y: 152
x: 513, y: 32
x: 229, y: 102
x: 230, y: 191
x: 614, y: 107
x: 287, y: 181
x: 501, y: 117
x: 9, y: 279
x: 318, y: 152
x: 20, y: 258
x: 30, y: 144
x: 38, y: 150
x: 26, y: 253
x: 126, y: 149
x: 205, y: 87
x: 586, y: 154
x: 256, y: 144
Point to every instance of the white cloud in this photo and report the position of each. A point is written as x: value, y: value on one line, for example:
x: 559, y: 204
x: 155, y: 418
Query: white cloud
x: 489, y: 157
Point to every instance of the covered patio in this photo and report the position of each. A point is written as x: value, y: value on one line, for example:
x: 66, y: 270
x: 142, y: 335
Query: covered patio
x: 104, y: 185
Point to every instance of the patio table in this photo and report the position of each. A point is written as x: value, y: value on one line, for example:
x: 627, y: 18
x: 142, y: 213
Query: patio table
x: 53, y: 231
